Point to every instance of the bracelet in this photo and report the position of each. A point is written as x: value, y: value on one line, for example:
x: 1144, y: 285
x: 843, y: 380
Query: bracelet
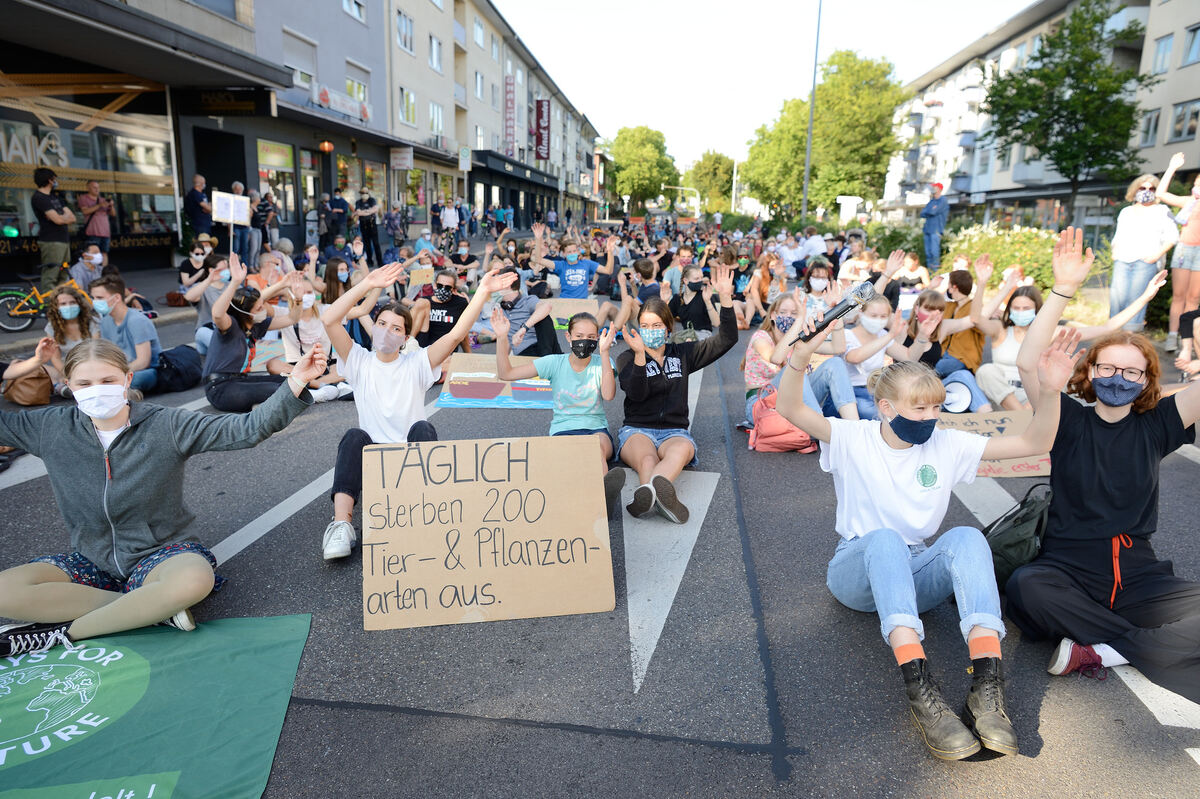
x: 922, y: 341
x: 296, y: 384
x: 1064, y: 296
x: 792, y: 366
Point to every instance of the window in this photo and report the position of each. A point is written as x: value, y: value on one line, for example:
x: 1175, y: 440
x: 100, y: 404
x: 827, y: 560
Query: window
x: 435, y: 119
x: 356, y: 9
x: 520, y: 75
x: 1191, y: 46
x: 1035, y: 44
x: 479, y: 85
x: 508, y: 66
x: 404, y: 31
x: 984, y: 164
x: 495, y: 96
x: 356, y: 89
x: 1003, y: 161
x: 1162, y: 54
x: 406, y: 109
x: 479, y: 138
x: 437, y: 3
x: 1183, y: 121
x: 435, y: 52
x: 1019, y: 61
x: 300, y: 56
x: 478, y: 32
x: 1149, y: 128
x: 276, y: 174
x: 495, y: 49
x: 496, y: 143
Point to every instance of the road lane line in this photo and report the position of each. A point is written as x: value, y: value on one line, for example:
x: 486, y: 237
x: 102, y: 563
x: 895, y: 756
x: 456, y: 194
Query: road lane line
x: 1195, y: 753
x: 1189, y: 451
x: 985, y: 498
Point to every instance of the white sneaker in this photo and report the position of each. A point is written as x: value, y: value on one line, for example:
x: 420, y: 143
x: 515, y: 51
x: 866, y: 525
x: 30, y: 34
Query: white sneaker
x: 325, y: 394
x: 339, y: 538
x: 182, y: 620
x: 1172, y: 342
x: 343, y: 389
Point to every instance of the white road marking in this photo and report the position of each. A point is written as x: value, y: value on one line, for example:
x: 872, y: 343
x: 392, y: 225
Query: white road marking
x: 195, y: 404
x: 985, y: 498
x: 695, y: 379
x: 1189, y: 451
x: 656, y: 556
x: 1195, y: 753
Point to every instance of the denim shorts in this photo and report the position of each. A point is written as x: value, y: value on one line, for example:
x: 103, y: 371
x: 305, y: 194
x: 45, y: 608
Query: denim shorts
x: 1187, y: 256
x: 658, y: 437
x: 596, y: 432
x: 84, y: 572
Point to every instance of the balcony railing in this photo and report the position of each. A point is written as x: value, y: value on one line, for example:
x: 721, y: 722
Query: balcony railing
x: 460, y: 35
x: 460, y: 95
x: 1029, y: 172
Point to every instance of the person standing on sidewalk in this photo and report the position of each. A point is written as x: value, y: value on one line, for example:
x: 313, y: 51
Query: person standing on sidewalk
x: 935, y: 213
x: 97, y: 209
x: 197, y: 206
x: 1144, y: 234
x: 449, y: 219
x: 366, y: 214
x: 53, y: 217
x: 1185, y: 262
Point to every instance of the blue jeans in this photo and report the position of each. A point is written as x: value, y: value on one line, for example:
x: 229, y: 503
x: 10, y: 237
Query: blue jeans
x: 204, y: 337
x: 978, y: 398
x: 933, y: 249
x: 826, y: 389
x: 144, y: 380
x: 866, y: 403
x: 879, y: 572
x: 241, y: 242
x: 1129, y: 280
x: 947, y: 365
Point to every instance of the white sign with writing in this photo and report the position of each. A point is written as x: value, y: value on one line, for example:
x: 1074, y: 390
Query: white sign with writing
x: 232, y: 209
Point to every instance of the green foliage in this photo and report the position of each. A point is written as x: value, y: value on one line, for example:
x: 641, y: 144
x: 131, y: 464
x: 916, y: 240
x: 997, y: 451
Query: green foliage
x: 885, y: 239
x: 640, y: 163
x: 1070, y: 103
x: 730, y: 222
x: 1027, y: 247
x: 712, y: 176
x: 853, y: 137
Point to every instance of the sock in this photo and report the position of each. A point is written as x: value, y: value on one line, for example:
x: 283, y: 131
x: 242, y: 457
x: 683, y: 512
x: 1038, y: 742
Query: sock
x: 1108, y: 655
x: 907, y: 652
x: 984, y: 646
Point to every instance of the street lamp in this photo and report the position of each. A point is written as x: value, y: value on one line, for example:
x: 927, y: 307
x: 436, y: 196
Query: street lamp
x: 812, y: 102
x: 733, y: 199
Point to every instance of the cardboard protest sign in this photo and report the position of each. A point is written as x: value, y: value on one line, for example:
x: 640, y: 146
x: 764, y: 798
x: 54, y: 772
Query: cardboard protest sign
x: 456, y: 532
x: 561, y: 310
x: 471, y: 382
x: 999, y: 423
x: 232, y: 209
x: 420, y: 276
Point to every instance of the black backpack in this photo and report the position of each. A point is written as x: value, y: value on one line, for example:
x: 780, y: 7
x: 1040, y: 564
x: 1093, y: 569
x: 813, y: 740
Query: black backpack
x: 179, y: 369
x: 1016, y: 537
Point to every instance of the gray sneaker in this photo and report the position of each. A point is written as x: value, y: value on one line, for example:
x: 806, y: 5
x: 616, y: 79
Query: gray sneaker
x: 338, y: 541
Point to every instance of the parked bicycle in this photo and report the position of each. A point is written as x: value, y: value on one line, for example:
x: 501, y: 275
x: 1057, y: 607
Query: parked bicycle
x: 20, y: 308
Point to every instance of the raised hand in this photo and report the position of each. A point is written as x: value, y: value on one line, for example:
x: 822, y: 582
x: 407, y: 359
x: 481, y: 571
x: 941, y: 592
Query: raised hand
x: 611, y: 244
x: 385, y: 276
x: 311, y: 366
x: 898, y: 329
x: 634, y: 340
x: 664, y: 291
x: 1156, y: 283
x: 722, y: 279
x: 984, y: 269
x: 47, y: 349
x: 312, y: 252
x: 538, y: 230
x: 606, y: 341
x: 1057, y: 362
x: 1177, y: 161
x: 237, y: 270
x: 833, y: 294
x: 1071, y: 262
x: 493, y: 281
x: 925, y: 329
x: 500, y: 323
x: 894, y: 262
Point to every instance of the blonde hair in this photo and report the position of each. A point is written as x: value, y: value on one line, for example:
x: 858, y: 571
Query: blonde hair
x: 1131, y: 192
x: 911, y: 382
x: 95, y: 349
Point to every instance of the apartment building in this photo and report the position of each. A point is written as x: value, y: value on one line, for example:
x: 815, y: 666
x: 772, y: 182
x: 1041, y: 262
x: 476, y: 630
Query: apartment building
x: 945, y: 130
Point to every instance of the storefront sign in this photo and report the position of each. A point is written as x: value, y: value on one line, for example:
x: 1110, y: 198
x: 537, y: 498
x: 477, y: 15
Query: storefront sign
x: 223, y: 102
x: 542, y: 145
x: 275, y: 154
x: 402, y: 158
x: 464, y: 159
x: 46, y: 150
x: 342, y: 103
x: 510, y: 116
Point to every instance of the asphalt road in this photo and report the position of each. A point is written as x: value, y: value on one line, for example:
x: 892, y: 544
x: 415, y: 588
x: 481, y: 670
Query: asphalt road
x: 760, y: 684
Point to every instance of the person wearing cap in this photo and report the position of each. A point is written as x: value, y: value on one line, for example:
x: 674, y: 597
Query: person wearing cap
x: 425, y: 242
x: 366, y: 214
x: 935, y: 213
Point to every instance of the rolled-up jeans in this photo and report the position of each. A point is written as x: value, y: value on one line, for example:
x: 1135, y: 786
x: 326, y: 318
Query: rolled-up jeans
x: 880, y: 573
x: 1129, y: 280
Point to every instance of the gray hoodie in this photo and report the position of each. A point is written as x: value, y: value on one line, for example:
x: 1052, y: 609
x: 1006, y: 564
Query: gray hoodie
x: 124, y: 504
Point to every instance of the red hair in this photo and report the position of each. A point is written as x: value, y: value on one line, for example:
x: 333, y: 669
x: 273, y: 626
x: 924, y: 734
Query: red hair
x: 1080, y: 383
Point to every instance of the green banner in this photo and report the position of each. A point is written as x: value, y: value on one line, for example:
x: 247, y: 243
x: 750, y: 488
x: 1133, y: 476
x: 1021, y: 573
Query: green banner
x: 150, y: 714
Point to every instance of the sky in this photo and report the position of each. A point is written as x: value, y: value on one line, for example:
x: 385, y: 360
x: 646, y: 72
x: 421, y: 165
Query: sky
x: 708, y: 73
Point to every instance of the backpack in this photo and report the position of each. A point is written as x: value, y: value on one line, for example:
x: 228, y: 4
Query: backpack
x: 179, y: 369
x: 1016, y: 537
x: 773, y: 433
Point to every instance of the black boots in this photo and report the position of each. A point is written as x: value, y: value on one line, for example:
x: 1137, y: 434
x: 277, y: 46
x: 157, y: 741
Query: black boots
x: 941, y: 728
x: 985, y: 707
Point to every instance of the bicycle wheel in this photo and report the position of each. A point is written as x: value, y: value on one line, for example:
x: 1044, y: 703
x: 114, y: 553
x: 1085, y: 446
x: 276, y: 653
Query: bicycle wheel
x: 10, y: 322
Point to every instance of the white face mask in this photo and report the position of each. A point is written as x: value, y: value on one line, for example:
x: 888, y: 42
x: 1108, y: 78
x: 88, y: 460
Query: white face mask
x: 872, y: 324
x: 307, y: 300
x: 102, y: 401
x: 258, y: 317
x: 818, y: 284
x: 386, y: 342
x: 95, y: 258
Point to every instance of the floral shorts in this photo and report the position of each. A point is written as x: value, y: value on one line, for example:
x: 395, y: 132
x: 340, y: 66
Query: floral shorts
x: 84, y: 572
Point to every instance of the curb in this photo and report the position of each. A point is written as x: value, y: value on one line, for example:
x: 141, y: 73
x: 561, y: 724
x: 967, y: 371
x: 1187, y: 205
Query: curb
x: 28, y: 344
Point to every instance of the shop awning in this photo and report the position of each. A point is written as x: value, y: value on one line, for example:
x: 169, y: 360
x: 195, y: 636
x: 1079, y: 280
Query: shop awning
x: 116, y: 36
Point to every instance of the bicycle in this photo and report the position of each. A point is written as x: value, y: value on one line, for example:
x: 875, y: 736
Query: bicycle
x: 19, y: 308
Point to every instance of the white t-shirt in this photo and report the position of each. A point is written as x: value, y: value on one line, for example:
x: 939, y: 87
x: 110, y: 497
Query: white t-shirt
x: 859, y: 372
x: 906, y: 490
x: 390, y: 397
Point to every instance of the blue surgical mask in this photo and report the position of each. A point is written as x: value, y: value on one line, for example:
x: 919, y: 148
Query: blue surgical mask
x: 572, y: 257
x: 1115, y: 391
x: 1022, y: 318
x: 912, y: 431
x: 343, y: 277
x: 69, y: 311
x: 784, y: 323
x: 224, y: 275
x: 101, y: 307
x: 654, y: 337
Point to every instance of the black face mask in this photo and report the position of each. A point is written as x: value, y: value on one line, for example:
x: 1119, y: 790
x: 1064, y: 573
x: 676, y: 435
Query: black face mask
x: 584, y: 347
x: 695, y: 285
x: 507, y: 305
x: 443, y: 293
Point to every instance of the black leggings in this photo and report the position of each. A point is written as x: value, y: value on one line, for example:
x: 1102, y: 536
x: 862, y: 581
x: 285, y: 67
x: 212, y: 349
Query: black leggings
x: 347, y: 471
x: 1185, y: 323
x: 240, y: 393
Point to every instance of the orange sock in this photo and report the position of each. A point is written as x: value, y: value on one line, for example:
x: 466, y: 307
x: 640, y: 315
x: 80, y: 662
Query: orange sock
x: 906, y: 652
x: 984, y: 646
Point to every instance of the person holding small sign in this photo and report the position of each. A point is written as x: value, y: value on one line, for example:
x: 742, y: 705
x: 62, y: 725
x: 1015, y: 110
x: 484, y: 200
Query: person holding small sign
x: 389, y: 383
x: 654, y: 438
x: 893, y: 480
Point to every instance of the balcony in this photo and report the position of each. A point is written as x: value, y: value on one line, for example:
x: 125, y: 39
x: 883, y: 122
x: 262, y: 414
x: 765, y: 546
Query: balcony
x: 460, y: 36
x: 439, y: 143
x: 960, y: 182
x: 460, y: 95
x: 1027, y: 172
x: 1124, y: 18
x: 966, y: 140
x: 916, y: 119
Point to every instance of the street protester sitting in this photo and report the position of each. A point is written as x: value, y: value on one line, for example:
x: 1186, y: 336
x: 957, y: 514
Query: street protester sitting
x: 135, y: 558
x: 530, y: 317
x: 769, y: 281
x: 654, y: 438
x: 309, y: 331
x: 1097, y: 586
x: 129, y: 329
x: 69, y: 322
x: 439, y: 313
x: 868, y: 346
x: 204, y: 291
x: 389, y: 384
x: 893, y: 480
x: 927, y: 329
x: 693, y: 306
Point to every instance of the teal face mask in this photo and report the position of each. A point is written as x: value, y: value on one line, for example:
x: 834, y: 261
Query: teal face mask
x: 101, y: 307
x: 653, y: 337
x: 69, y: 311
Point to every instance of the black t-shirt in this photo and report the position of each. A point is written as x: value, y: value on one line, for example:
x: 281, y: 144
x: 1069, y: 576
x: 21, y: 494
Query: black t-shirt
x: 891, y: 291
x: 694, y: 313
x: 442, y: 318
x: 931, y: 356
x: 47, y: 230
x: 463, y: 261
x: 1104, y: 475
x: 365, y: 221
x: 4, y: 366
x: 227, y: 351
x: 187, y: 268
x: 261, y: 211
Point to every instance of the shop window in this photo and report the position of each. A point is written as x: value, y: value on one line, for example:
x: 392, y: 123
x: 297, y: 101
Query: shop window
x: 375, y: 179
x: 310, y: 179
x: 277, y: 175
x: 349, y: 175
x: 415, y: 197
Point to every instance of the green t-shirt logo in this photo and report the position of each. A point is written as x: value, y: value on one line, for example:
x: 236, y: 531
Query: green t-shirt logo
x: 927, y: 476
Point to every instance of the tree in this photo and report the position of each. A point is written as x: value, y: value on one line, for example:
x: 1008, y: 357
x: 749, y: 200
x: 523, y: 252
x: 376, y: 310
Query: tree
x: 1071, y: 104
x: 853, y: 136
x: 712, y: 176
x: 640, y: 163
